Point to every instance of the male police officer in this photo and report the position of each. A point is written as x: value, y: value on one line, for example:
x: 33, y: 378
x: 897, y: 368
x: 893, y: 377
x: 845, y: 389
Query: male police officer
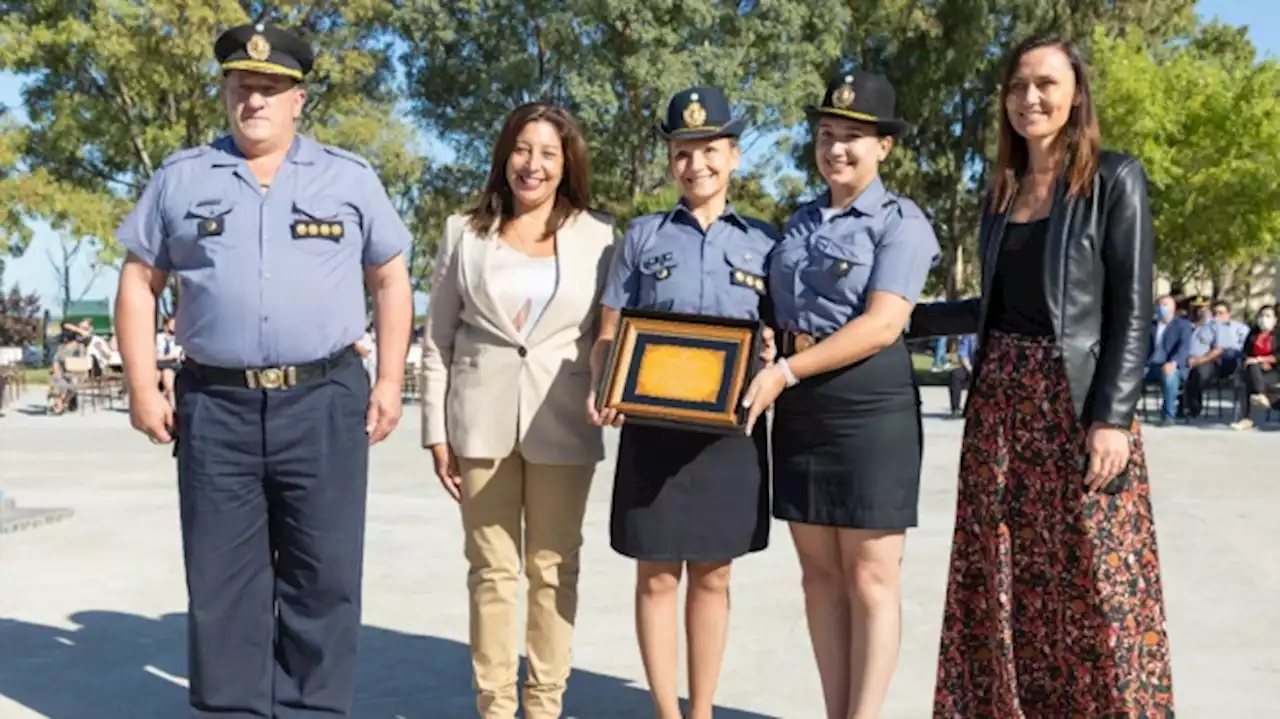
x: 273, y: 237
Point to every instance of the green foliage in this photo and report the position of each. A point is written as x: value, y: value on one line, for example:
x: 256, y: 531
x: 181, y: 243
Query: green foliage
x: 114, y: 86
x: 1204, y: 117
x: 19, y: 318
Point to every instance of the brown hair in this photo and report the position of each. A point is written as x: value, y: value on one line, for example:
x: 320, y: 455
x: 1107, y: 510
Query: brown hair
x: 496, y: 204
x: 1079, y: 143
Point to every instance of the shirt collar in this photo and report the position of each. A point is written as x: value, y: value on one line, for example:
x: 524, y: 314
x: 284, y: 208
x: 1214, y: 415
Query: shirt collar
x: 302, y: 151
x: 682, y: 209
x: 868, y: 202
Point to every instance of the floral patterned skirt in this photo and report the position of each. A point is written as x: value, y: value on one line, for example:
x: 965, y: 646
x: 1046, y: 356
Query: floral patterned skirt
x: 1054, y: 607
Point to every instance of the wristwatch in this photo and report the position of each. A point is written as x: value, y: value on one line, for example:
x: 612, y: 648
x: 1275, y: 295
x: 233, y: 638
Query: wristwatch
x: 790, y: 376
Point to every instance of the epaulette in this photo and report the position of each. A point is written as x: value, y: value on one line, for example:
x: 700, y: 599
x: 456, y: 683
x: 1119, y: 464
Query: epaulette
x: 350, y: 156
x: 185, y: 154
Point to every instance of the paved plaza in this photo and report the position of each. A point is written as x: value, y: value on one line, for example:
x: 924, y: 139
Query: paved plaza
x: 91, y: 608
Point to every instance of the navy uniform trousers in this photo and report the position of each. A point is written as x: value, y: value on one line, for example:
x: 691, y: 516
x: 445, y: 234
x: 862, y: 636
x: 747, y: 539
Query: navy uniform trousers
x: 272, y: 488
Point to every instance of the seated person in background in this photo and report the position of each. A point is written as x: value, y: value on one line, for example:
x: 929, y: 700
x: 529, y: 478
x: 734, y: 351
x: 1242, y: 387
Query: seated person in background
x: 1167, y: 363
x: 62, y: 389
x: 1261, y: 376
x: 1216, y: 347
x: 960, y: 376
x: 168, y: 357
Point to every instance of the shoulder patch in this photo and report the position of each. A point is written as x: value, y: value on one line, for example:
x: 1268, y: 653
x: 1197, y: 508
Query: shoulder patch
x: 183, y: 155
x: 349, y: 156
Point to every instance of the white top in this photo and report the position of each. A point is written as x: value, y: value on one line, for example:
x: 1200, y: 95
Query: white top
x: 167, y: 344
x: 522, y: 285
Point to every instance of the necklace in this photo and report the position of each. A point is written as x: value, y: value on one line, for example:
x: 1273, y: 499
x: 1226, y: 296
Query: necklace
x: 525, y: 244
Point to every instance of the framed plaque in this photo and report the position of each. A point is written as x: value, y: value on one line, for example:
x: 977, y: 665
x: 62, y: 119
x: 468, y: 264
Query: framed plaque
x: 680, y: 370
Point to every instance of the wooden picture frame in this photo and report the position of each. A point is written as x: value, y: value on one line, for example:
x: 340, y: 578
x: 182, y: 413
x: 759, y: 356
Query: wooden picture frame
x: 681, y: 370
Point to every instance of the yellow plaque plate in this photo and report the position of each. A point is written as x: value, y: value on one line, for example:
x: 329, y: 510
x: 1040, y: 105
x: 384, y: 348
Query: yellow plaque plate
x: 680, y: 370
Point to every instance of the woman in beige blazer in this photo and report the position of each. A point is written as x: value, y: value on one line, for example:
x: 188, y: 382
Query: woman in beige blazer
x: 509, y: 329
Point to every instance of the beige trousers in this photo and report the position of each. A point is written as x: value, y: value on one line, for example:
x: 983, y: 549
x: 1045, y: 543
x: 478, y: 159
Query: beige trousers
x: 515, y: 512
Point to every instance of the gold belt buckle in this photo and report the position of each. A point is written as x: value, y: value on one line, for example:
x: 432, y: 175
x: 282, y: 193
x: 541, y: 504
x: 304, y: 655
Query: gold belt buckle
x: 271, y: 377
x: 803, y: 341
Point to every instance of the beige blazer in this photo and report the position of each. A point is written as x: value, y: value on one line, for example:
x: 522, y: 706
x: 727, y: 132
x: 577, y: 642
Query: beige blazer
x: 485, y: 387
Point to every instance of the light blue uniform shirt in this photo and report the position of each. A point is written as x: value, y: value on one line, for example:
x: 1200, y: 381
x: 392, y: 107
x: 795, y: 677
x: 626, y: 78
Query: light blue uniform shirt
x: 666, y: 262
x: 827, y: 263
x: 1214, y: 335
x: 270, y: 278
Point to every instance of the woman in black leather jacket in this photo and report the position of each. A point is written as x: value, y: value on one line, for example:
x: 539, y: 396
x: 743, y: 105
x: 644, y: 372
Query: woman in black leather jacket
x: 1054, y: 604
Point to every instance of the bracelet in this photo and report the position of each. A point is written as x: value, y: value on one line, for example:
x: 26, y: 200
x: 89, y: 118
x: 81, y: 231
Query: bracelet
x: 790, y: 376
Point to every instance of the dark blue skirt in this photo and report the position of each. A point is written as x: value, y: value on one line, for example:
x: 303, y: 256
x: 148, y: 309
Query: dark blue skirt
x: 847, y: 446
x: 690, y: 496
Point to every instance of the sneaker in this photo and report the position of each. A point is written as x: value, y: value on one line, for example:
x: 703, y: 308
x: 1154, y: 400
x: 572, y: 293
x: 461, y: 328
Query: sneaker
x: 1261, y: 401
x: 1243, y: 424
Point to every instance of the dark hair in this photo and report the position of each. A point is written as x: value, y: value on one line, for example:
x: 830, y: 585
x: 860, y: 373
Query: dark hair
x: 496, y: 203
x: 1080, y: 141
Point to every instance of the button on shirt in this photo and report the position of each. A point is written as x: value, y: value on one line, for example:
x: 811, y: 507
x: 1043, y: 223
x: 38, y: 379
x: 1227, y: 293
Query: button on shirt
x: 829, y: 261
x: 267, y: 277
x: 667, y: 262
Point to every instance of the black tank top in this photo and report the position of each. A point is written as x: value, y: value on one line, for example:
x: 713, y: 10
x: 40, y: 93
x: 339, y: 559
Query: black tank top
x: 1018, y: 303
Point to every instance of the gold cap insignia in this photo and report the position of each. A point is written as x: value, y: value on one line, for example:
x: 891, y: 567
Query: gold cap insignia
x: 258, y: 48
x: 694, y: 114
x: 843, y: 96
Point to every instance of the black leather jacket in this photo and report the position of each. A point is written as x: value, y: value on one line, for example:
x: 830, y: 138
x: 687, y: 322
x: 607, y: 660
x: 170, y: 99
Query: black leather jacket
x: 1098, y: 275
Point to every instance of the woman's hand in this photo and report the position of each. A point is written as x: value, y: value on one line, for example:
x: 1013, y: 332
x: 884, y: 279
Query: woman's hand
x: 762, y: 393
x: 769, y: 348
x: 602, y: 418
x: 447, y: 470
x: 1108, y: 455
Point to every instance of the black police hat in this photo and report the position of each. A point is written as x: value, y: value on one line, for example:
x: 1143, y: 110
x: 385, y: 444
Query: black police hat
x: 863, y: 96
x: 265, y: 49
x: 699, y: 113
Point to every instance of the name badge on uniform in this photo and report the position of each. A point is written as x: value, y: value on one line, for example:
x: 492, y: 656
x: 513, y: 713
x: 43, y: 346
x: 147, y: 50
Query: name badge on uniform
x: 313, y: 230
x: 660, y: 266
x: 746, y: 279
x: 210, y: 227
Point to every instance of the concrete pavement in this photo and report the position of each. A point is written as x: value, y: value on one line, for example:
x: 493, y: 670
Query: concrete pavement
x: 91, y: 608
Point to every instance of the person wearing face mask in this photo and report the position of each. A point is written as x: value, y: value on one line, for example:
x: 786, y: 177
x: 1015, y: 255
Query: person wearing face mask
x: 847, y: 433
x: 273, y: 238
x: 505, y: 377
x: 1054, y: 601
x: 1171, y: 340
x: 1259, y: 383
x: 687, y: 503
x: 1215, y: 353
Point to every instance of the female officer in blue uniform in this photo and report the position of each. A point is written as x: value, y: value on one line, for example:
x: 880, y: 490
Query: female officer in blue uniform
x: 684, y: 497
x: 846, y: 433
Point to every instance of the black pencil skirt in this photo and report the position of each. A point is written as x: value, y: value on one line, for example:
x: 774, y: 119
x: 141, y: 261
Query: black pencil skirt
x: 847, y: 446
x: 690, y: 496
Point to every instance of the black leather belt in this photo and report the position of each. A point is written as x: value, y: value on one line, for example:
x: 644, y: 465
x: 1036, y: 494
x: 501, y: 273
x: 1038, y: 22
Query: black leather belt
x: 790, y: 343
x: 281, y: 377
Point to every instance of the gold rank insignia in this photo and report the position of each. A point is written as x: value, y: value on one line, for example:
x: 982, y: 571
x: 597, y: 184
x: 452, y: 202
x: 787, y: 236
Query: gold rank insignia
x: 305, y: 229
x: 843, y: 95
x: 258, y: 48
x: 662, y: 274
x: 745, y: 279
x: 695, y: 115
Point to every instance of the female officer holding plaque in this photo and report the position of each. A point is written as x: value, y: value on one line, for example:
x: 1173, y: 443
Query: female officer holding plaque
x: 684, y: 498
x: 847, y: 435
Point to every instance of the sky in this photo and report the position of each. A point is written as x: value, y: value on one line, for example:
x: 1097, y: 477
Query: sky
x: 34, y: 271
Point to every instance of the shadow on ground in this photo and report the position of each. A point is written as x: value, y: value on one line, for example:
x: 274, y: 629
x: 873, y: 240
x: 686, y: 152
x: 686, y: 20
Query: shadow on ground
x: 125, y: 665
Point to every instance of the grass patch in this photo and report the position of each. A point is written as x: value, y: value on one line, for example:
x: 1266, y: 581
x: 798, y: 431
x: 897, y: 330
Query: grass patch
x: 921, y: 364
x: 37, y: 375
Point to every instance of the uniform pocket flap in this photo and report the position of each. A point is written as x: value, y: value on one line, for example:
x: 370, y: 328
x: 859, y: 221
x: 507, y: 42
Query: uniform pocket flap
x: 209, y: 209
x: 747, y: 260
x: 319, y: 208
x: 853, y: 253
